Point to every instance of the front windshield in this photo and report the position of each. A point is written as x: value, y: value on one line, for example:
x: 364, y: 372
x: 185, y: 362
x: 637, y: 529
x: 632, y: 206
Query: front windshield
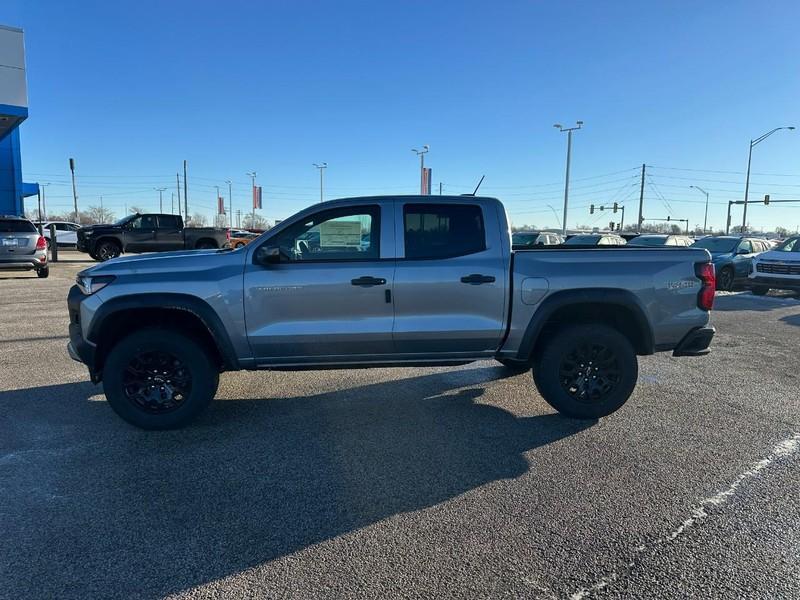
x: 648, y: 240
x: 124, y: 220
x: 717, y: 245
x: 790, y: 245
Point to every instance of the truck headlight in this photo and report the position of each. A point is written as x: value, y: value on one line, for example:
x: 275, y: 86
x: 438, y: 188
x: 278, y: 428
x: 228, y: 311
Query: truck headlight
x: 89, y: 284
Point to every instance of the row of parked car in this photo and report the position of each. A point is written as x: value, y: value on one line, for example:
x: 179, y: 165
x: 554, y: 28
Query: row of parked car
x: 750, y: 262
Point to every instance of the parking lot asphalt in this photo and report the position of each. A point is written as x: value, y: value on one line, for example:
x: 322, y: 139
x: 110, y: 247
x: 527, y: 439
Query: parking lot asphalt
x: 413, y: 483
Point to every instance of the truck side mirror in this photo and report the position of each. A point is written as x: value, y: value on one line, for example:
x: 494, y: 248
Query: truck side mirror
x: 268, y: 255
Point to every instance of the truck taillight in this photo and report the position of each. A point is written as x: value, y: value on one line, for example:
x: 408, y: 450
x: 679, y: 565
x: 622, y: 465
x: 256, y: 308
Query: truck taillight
x: 705, y: 297
x: 41, y: 243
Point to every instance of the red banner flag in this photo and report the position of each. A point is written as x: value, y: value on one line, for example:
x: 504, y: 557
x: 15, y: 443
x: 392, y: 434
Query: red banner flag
x: 220, y: 205
x: 256, y: 197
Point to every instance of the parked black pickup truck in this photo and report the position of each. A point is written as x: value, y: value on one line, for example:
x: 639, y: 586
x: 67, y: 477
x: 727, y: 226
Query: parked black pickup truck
x: 148, y: 233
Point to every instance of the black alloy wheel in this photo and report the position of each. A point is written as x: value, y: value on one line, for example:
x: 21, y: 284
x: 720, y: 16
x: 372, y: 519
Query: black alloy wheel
x: 107, y: 250
x: 725, y: 281
x: 589, y: 372
x: 156, y: 381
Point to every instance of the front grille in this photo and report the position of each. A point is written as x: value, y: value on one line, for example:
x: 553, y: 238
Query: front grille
x: 785, y: 269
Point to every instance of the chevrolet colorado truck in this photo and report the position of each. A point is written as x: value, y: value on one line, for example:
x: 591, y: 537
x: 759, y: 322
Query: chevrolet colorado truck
x: 147, y: 233
x: 386, y: 281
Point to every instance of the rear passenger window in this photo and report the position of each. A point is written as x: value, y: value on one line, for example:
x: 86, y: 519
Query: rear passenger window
x: 442, y: 230
x: 168, y: 222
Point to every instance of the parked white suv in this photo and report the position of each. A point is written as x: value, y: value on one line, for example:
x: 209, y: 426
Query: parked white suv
x: 66, y: 232
x: 777, y: 269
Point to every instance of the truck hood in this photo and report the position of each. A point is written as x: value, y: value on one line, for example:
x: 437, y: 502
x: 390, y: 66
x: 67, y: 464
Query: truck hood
x: 775, y: 256
x: 181, y: 260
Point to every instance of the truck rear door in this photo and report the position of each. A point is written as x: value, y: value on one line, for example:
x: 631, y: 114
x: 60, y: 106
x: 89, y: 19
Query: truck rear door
x: 169, y: 235
x: 330, y: 295
x: 451, y: 278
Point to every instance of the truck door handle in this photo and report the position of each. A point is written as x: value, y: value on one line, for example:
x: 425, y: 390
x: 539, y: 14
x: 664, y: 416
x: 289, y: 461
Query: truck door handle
x: 368, y: 281
x: 477, y: 279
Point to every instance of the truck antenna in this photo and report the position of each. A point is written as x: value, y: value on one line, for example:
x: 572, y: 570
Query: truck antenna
x: 477, y: 186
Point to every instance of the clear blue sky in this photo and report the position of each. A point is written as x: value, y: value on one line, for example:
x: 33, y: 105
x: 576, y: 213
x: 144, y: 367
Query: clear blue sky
x: 130, y: 89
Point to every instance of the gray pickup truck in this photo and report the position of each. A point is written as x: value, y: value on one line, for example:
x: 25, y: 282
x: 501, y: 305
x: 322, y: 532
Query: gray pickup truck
x: 386, y: 281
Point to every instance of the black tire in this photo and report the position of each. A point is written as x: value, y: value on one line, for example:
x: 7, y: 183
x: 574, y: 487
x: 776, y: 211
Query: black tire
x: 760, y: 291
x: 106, y: 250
x: 562, y: 378
x: 159, y: 379
x: 514, y: 366
x: 204, y: 245
x: 43, y: 273
x: 725, y: 279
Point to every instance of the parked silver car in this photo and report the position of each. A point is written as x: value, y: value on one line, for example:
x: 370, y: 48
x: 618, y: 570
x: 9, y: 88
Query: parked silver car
x: 21, y: 246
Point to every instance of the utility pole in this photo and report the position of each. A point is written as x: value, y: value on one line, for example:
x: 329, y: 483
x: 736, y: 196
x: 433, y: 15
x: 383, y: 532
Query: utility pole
x: 230, y: 202
x: 102, y: 212
x: 702, y: 191
x: 569, y: 131
x: 321, y: 167
x: 238, y: 218
x: 185, y: 194
x: 641, y: 202
x: 421, y: 154
x: 178, y: 181
x: 172, y: 203
x: 44, y: 201
x: 160, y: 199
x: 216, y: 202
x: 440, y: 188
x: 252, y: 176
x: 39, y: 202
x: 74, y: 190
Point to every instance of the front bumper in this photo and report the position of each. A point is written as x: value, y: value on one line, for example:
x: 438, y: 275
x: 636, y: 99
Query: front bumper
x: 776, y: 283
x: 696, y: 342
x: 78, y: 348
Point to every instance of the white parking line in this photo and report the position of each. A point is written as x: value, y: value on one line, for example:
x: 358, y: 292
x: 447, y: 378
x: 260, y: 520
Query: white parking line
x: 782, y: 449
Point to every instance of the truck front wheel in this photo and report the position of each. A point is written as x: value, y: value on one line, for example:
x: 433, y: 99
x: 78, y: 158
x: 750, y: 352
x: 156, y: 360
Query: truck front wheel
x: 106, y: 250
x: 586, y: 371
x: 159, y: 379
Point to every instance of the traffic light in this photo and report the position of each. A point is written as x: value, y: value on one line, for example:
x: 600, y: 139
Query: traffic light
x: 766, y: 199
x: 616, y: 207
x: 668, y: 218
x: 611, y: 225
x: 591, y: 209
x: 602, y: 207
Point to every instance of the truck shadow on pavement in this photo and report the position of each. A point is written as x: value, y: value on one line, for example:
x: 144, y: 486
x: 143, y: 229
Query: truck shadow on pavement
x: 90, y: 506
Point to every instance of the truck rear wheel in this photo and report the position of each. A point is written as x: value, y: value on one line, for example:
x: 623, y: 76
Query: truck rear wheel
x: 159, y: 379
x: 586, y: 371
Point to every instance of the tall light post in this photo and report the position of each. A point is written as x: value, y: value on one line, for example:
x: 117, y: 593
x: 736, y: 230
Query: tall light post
x: 705, y: 218
x: 421, y: 154
x: 230, y: 201
x: 558, y: 220
x: 44, y: 201
x: 754, y: 142
x: 569, y: 130
x: 160, y: 199
x: 321, y: 167
x: 252, y: 176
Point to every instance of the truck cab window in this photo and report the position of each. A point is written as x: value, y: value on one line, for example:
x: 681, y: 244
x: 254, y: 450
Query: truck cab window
x: 339, y: 234
x: 143, y: 222
x: 442, y: 230
x: 168, y: 222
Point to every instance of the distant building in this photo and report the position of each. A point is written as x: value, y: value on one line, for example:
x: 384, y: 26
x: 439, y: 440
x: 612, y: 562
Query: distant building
x: 13, y: 111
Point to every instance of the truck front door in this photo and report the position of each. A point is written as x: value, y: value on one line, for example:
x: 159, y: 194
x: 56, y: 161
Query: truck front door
x: 451, y: 279
x: 140, y: 234
x: 330, y: 294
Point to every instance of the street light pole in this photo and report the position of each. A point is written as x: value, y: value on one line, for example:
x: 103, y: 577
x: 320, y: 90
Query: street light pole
x: 569, y: 131
x: 321, y: 167
x: 252, y: 176
x: 74, y: 189
x: 702, y: 191
x: 230, y: 202
x: 160, y: 199
x: 754, y: 142
x: 421, y: 154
